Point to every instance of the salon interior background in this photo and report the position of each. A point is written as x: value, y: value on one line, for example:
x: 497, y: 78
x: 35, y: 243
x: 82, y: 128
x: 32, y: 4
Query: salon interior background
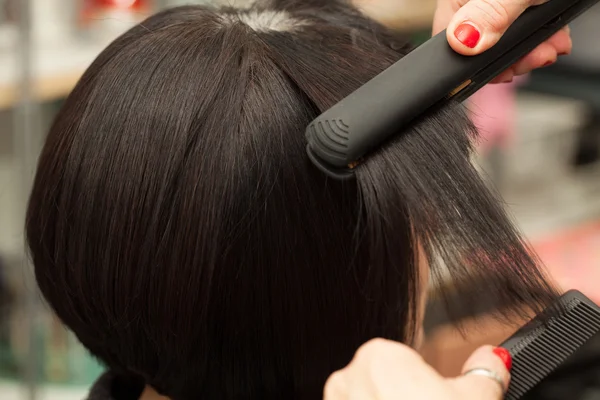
x: 544, y: 159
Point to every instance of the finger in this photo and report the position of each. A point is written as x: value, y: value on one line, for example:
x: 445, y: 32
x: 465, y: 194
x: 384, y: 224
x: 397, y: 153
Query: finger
x: 559, y: 44
x: 542, y: 56
x: 479, y: 24
x: 377, y: 349
x: 561, y: 41
x: 482, y: 387
x: 377, y: 357
x: 505, y: 77
x: 336, y: 387
x: 545, y: 54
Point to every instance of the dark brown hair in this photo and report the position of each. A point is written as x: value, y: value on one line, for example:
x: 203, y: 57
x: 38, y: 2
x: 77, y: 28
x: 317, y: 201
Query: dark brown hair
x: 179, y: 230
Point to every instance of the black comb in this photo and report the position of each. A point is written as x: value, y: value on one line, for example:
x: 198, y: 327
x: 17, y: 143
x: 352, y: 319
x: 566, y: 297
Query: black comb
x: 545, y: 342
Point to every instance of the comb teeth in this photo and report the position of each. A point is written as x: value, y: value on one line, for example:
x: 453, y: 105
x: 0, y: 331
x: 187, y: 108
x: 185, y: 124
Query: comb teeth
x: 541, y: 351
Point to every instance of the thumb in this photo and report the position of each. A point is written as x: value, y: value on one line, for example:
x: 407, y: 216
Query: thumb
x: 485, y: 374
x: 479, y: 24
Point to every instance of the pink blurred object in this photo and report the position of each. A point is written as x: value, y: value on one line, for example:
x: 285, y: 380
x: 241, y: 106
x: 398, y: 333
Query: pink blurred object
x: 493, y: 111
x: 572, y: 258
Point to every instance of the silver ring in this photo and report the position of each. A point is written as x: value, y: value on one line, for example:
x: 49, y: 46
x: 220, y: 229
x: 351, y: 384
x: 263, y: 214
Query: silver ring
x: 488, y: 374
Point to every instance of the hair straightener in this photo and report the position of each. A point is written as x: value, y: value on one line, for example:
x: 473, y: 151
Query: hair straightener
x: 429, y: 76
x: 544, y: 343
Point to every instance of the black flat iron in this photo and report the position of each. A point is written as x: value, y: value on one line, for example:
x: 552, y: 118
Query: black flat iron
x: 343, y: 135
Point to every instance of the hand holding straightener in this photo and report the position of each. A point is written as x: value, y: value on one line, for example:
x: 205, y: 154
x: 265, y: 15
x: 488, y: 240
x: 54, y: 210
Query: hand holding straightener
x: 473, y: 26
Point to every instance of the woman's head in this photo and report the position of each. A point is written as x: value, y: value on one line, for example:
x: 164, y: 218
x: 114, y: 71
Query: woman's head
x: 178, y: 228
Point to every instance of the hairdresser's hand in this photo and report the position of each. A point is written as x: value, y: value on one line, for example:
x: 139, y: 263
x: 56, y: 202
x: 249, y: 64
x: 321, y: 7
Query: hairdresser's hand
x: 476, y: 25
x: 383, y: 370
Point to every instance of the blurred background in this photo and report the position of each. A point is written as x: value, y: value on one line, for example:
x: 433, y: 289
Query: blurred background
x: 540, y: 146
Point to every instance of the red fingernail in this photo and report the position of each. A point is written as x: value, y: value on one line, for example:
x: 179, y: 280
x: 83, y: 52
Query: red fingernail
x: 548, y: 63
x: 504, y: 356
x: 468, y: 35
